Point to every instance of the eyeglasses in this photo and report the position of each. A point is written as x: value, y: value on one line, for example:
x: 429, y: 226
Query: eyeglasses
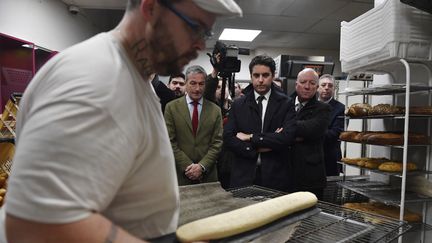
x: 200, y: 32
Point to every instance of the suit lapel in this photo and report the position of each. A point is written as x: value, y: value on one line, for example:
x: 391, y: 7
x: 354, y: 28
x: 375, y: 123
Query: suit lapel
x: 203, y: 115
x: 272, y: 107
x: 184, y: 113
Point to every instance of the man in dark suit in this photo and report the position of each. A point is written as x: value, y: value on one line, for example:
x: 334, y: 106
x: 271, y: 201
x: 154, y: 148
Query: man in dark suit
x: 260, y: 127
x: 308, y: 168
x: 332, y: 149
x: 195, y: 131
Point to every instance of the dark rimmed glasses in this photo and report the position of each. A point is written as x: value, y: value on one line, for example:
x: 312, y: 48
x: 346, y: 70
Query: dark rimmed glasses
x: 198, y: 29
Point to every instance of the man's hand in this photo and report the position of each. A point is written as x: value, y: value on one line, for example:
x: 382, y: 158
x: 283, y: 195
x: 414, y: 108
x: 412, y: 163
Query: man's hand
x: 243, y: 136
x: 215, y: 71
x: 194, y: 172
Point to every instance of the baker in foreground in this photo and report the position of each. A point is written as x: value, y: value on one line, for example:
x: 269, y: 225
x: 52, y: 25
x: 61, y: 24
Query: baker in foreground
x: 93, y: 161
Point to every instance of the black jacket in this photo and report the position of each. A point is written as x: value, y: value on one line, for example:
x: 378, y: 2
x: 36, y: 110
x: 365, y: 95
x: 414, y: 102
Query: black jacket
x: 308, y: 166
x: 332, y: 150
x: 244, y: 118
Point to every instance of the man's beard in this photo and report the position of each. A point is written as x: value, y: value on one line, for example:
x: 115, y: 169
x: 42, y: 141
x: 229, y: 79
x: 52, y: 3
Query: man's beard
x: 165, y: 56
x: 178, y: 93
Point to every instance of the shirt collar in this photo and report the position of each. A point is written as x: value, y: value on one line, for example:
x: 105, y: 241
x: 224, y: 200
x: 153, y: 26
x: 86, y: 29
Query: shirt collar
x: 297, y: 101
x: 189, y: 100
x: 325, y: 101
x: 267, y: 95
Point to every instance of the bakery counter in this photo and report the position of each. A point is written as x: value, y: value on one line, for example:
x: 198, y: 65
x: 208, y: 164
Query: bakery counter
x: 382, y: 192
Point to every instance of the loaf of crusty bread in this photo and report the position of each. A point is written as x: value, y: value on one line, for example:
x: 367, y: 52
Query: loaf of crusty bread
x: 421, y: 110
x: 348, y: 136
x: 382, y: 209
x: 393, y: 166
x: 385, y: 109
x: 371, y: 163
x: 390, y: 138
x: 358, y: 110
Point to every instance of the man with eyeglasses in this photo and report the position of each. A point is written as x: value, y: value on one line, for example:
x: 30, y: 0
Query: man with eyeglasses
x: 308, y: 167
x: 93, y: 161
x: 260, y: 127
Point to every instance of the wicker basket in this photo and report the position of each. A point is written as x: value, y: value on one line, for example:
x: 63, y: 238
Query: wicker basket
x: 8, y: 118
x: 7, y: 151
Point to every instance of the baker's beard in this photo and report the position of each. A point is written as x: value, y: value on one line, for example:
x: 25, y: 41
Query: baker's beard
x: 165, y: 57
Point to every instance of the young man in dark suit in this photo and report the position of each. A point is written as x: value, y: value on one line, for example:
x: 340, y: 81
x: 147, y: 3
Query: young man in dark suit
x: 308, y: 168
x: 260, y: 127
x: 332, y: 149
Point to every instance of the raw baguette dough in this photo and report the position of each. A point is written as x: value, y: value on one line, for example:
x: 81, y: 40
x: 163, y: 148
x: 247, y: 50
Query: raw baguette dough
x: 246, y: 218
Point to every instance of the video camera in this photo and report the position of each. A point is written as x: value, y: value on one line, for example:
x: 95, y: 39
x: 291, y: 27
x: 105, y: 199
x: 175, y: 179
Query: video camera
x: 229, y: 62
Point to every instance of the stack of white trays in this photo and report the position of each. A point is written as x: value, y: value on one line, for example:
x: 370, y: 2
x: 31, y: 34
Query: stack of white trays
x: 391, y: 30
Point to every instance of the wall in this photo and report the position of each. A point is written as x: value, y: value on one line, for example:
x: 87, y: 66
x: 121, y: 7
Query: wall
x: 243, y: 75
x: 47, y: 23
x: 50, y: 25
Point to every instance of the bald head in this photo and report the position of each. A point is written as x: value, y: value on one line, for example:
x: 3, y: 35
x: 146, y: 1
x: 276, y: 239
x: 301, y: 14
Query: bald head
x: 306, y: 84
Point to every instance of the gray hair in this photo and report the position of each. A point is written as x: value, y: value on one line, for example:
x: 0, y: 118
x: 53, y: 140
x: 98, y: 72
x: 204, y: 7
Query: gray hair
x: 327, y: 76
x: 195, y: 69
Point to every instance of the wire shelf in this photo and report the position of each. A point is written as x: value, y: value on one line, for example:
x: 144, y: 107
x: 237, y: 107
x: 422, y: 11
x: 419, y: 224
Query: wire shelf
x: 382, y: 192
x: 334, y: 223
x: 397, y: 174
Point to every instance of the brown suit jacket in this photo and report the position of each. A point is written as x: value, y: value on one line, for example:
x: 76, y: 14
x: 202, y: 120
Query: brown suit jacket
x: 203, y: 148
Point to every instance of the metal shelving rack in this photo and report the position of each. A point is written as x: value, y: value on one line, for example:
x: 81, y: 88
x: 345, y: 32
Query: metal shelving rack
x: 382, y: 192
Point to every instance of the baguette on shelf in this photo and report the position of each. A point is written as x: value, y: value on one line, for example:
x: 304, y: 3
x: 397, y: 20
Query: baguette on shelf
x: 396, y: 166
x: 361, y: 110
x: 371, y: 163
x: 383, y: 138
x: 386, y: 210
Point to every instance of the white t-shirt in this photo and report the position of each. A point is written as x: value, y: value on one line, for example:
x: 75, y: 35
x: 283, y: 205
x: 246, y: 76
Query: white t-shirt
x: 91, y: 138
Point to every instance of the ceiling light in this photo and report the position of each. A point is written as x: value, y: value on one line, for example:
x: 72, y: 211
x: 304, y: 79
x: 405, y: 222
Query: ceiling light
x: 239, y: 34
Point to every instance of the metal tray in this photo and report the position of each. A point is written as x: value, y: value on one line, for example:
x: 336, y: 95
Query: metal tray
x: 382, y: 192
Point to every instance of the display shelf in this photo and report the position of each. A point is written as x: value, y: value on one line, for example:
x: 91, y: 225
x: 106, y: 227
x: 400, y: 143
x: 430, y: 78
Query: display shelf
x: 396, y: 174
x: 390, y: 116
x: 383, y: 192
x: 390, y: 146
x: 384, y: 90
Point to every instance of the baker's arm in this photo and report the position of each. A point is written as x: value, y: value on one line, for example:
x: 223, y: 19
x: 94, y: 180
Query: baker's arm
x: 94, y: 228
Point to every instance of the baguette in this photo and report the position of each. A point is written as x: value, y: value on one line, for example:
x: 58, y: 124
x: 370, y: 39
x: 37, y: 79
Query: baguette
x: 246, y: 218
x: 396, y: 166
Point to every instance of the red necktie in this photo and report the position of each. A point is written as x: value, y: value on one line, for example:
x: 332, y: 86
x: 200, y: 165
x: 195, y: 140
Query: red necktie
x: 195, y: 118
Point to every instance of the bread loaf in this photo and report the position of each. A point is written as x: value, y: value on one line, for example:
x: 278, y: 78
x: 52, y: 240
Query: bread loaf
x: 382, y: 209
x: 246, y: 218
x: 348, y: 136
x: 389, y: 138
x: 371, y: 163
x: 358, y: 110
x: 385, y: 109
x: 421, y: 110
x: 396, y: 166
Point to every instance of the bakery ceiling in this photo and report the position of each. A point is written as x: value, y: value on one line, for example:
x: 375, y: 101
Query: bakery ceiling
x: 294, y: 24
